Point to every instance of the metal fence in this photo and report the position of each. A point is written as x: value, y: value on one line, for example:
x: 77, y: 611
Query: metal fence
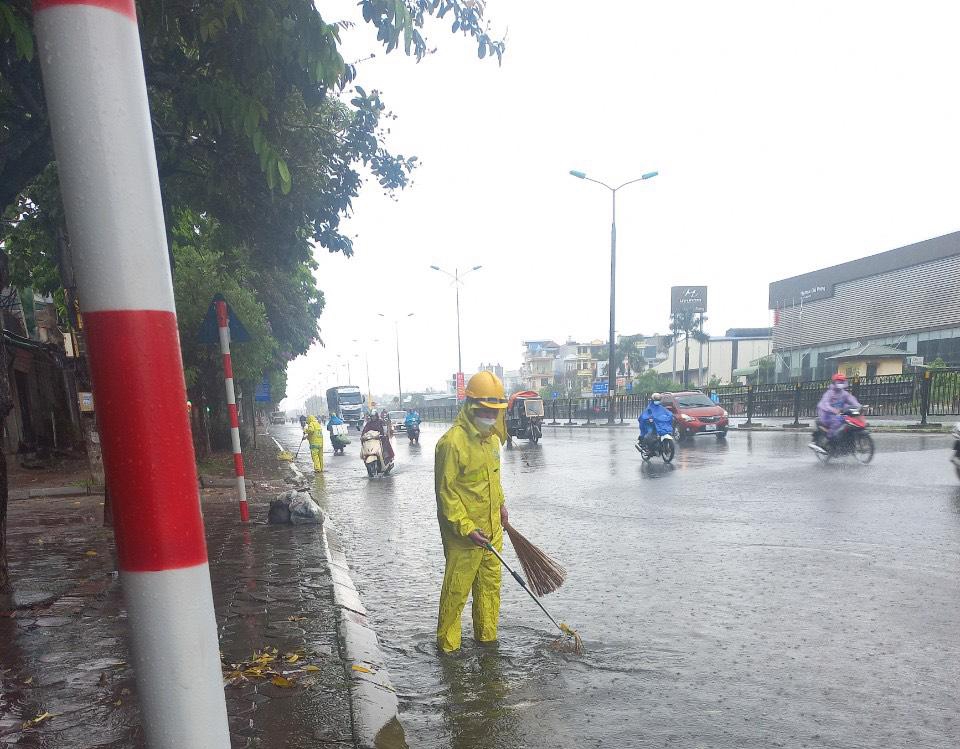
x: 566, y: 410
x: 935, y: 392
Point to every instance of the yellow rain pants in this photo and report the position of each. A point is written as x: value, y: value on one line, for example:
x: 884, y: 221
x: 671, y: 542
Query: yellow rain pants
x: 314, y: 434
x: 469, y: 497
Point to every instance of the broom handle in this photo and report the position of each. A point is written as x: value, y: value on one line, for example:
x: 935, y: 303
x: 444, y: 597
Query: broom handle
x: 299, y: 446
x: 523, y: 584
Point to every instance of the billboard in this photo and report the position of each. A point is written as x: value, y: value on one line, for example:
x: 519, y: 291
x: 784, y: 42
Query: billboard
x: 688, y: 299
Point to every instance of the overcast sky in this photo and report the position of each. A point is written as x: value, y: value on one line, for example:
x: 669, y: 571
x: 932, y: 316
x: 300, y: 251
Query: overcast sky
x: 788, y: 137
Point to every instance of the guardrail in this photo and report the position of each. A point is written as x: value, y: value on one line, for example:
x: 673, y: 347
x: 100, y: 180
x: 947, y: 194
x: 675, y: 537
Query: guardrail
x: 934, y: 392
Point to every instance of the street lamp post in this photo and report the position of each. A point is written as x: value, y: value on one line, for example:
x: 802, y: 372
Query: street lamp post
x: 457, y: 280
x: 611, y: 364
x: 366, y: 360
x: 396, y: 331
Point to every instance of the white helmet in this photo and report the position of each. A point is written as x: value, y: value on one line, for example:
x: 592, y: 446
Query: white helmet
x: 655, y: 397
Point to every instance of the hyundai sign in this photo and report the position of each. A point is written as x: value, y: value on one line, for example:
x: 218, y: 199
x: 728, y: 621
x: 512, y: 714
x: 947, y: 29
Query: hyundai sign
x: 688, y: 299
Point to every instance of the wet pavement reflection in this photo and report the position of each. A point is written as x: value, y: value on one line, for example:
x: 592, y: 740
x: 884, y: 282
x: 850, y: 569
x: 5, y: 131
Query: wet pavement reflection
x: 744, y: 596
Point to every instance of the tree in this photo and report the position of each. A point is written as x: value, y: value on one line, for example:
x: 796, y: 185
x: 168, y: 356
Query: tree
x: 251, y: 135
x: 628, y: 354
x: 687, y: 324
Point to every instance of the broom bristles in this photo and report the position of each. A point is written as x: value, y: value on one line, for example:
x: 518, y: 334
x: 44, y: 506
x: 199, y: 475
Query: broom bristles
x: 544, y: 574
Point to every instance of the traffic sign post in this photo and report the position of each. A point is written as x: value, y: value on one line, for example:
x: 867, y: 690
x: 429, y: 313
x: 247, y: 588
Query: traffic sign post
x: 99, y: 114
x: 223, y: 326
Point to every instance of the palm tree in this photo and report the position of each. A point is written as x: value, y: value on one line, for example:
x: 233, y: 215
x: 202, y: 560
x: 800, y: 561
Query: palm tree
x: 630, y: 350
x: 687, y: 324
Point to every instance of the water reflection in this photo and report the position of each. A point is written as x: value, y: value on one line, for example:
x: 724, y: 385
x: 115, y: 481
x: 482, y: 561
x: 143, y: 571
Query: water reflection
x: 477, y: 711
x: 654, y: 470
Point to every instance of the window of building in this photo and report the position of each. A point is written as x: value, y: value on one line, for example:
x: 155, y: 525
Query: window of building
x: 947, y: 349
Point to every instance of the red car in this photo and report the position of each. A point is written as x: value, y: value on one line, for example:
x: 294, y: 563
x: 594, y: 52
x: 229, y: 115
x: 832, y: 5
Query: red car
x: 694, y: 413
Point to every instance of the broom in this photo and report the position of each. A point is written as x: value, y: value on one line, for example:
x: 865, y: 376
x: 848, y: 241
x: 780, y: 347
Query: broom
x: 543, y: 573
x: 574, y: 643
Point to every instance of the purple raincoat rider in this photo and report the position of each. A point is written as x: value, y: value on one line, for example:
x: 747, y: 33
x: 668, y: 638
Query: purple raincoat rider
x: 833, y: 403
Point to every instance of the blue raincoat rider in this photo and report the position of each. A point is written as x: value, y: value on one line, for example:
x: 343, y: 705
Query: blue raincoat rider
x: 412, y: 419
x: 656, y: 420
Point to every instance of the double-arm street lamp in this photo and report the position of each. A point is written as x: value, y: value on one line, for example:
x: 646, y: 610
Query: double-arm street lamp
x: 396, y: 331
x: 457, y: 277
x: 611, y: 364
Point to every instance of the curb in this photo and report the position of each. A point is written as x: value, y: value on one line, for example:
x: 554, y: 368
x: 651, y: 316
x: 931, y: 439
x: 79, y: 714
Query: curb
x: 373, y: 699
x: 52, y: 491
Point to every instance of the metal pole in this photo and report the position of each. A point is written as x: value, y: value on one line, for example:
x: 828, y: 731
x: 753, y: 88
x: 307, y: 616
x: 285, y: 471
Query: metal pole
x: 457, y: 287
x: 611, y: 366
x: 96, y: 97
x: 366, y: 357
x: 396, y: 330
x: 224, y: 329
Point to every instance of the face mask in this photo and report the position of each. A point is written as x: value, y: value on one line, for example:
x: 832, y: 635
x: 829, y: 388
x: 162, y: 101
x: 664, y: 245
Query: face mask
x: 485, y: 424
x: 841, y: 386
x: 656, y: 403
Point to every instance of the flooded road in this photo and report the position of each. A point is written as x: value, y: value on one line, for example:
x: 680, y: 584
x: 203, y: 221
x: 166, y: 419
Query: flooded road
x: 745, y: 596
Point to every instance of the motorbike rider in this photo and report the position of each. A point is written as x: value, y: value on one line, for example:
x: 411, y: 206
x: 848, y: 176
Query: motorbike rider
x: 333, y: 421
x: 834, y: 402
x: 376, y: 424
x: 412, y: 419
x: 654, y: 421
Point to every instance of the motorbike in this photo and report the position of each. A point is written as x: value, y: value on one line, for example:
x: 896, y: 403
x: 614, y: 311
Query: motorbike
x: 664, y: 446
x: 413, y: 433
x: 338, y: 437
x: 524, y: 417
x: 852, y: 438
x: 371, y: 453
x: 955, y: 433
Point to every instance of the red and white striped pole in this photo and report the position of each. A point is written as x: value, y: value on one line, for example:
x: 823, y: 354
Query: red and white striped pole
x: 223, y: 323
x: 100, y: 119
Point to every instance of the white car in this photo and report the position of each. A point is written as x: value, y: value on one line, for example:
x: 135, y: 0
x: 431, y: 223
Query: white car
x: 397, y: 419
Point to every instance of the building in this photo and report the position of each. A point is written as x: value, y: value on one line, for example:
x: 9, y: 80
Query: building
x: 42, y: 370
x: 906, y: 299
x: 497, y: 369
x: 539, y: 357
x: 723, y: 358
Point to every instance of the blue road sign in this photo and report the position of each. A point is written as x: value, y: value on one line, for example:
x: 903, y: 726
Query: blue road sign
x: 601, y: 388
x: 262, y: 393
x: 554, y: 394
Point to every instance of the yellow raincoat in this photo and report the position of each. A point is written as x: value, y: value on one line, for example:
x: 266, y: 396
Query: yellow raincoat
x: 313, y: 431
x: 469, y: 497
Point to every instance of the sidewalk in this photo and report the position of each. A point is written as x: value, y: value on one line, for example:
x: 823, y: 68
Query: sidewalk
x: 64, y: 671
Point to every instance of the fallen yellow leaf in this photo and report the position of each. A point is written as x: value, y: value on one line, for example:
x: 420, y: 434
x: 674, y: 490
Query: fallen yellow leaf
x: 362, y: 670
x: 281, y: 681
x: 296, y: 618
x: 28, y: 680
x: 90, y: 553
x: 38, y: 720
x: 311, y: 668
x: 292, y: 658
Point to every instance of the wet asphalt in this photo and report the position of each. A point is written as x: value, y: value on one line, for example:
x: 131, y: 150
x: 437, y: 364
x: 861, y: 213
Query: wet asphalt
x: 745, y: 596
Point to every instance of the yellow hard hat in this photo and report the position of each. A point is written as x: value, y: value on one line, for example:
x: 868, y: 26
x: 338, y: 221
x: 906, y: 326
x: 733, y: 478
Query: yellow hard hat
x: 486, y: 389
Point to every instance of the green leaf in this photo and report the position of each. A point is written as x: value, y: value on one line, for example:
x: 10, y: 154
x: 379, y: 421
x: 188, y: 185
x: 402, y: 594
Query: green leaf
x: 283, y: 169
x: 271, y: 174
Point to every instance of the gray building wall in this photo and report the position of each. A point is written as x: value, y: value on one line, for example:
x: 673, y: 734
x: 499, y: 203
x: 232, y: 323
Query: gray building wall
x: 893, y: 303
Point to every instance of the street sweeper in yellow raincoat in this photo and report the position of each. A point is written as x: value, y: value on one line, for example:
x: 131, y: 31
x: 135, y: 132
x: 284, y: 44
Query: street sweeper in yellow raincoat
x: 471, y: 511
x: 313, y: 431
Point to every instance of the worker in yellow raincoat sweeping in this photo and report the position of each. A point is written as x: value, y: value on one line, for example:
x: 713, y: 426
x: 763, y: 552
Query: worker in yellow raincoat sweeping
x: 313, y: 431
x: 471, y: 511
